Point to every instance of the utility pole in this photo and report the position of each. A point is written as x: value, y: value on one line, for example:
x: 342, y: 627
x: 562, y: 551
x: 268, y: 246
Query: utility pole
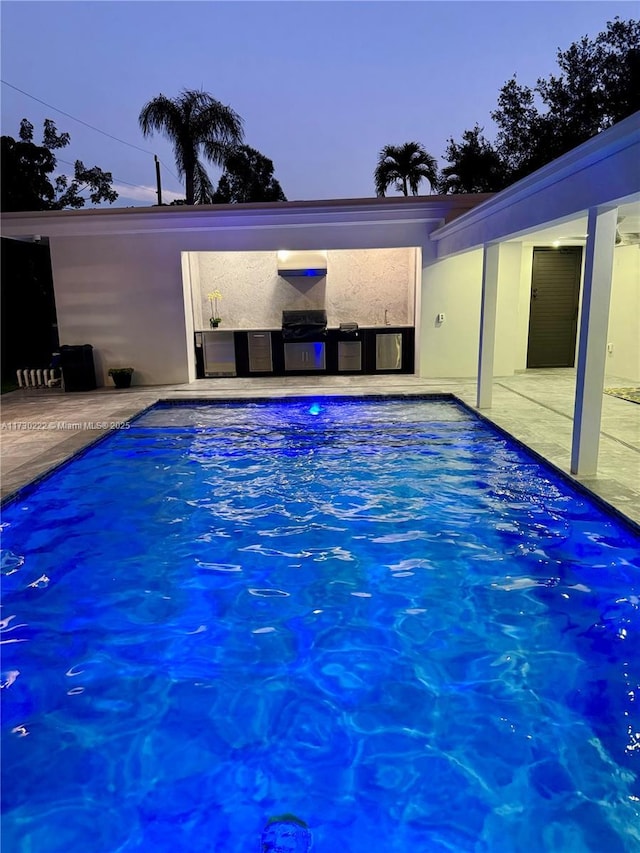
x: 159, y: 185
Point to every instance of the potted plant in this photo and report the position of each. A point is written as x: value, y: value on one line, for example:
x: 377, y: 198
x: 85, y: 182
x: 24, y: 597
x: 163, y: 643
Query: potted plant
x: 214, y: 319
x: 121, y: 376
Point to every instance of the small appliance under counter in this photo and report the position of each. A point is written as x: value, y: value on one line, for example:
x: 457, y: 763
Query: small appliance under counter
x: 218, y: 352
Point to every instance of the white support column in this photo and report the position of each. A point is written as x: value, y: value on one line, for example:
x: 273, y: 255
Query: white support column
x: 488, y: 310
x: 417, y: 308
x: 594, y: 322
x: 192, y: 308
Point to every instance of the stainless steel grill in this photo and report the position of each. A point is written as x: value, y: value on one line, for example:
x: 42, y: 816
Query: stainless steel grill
x: 309, y: 325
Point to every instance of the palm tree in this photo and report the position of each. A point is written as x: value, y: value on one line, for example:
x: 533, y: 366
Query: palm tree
x: 404, y: 166
x: 197, y: 125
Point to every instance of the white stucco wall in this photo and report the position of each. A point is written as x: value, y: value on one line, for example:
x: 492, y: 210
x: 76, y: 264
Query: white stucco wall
x: 191, y: 280
x: 524, y: 309
x: 508, y: 345
x: 512, y: 316
x: 359, y: 286
x: 624, y: 315
x: 123, y: 293
x: 451, y: 287
x: 189, y: 311
x: 451, y: 349
x: 124, y: 296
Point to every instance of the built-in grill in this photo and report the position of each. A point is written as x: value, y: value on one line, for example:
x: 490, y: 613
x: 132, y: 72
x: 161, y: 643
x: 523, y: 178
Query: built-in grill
x: 308, y: 325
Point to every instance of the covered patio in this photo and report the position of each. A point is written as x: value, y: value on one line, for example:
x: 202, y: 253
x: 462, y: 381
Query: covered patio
x: 590, y: 197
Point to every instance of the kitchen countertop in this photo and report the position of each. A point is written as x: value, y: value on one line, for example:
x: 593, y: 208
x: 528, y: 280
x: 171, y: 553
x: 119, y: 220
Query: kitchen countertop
x: 390, y: 326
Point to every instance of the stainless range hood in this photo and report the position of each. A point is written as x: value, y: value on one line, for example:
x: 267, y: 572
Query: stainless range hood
x: 307, y: 263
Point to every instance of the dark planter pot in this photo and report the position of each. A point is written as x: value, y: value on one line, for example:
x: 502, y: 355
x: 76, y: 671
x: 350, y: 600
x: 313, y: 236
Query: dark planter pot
x: 122, y: 380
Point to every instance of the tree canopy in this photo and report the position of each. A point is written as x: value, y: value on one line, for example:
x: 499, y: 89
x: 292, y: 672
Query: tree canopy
x: 404, y: 167
x: 598, y: 84
x: 27, y: 167
x: 247, y: 177
x: 475, y: 166
x: 198, y: 126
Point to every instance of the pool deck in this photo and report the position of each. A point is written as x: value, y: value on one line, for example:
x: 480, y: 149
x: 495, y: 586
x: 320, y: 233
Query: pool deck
x: 42, y: 428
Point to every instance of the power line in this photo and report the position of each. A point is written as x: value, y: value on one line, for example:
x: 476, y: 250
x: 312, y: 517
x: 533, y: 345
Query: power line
x: 86, y: 124
x: 119, y: 180
x: 169, y: 170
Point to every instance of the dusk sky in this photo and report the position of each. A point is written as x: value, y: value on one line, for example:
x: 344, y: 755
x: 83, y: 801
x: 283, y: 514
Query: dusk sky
x: 321, y: 86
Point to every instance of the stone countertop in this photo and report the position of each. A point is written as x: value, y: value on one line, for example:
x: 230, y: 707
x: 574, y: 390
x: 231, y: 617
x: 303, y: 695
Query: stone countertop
x: 390, y: 326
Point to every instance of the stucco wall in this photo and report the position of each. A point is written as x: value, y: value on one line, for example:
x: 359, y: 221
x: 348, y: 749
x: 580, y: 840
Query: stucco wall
x: 359, y: 286
x: 451, y: 287
x: 624, y: 315
x: 508, y: 345
x: 123, y: 295
x: 524, y: 309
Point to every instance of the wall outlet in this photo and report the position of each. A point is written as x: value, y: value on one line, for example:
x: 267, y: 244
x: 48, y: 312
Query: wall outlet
x: 609, y: 348
x: 440, y: 318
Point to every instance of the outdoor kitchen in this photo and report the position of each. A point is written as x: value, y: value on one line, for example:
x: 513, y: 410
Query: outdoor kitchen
x: 303, y: 312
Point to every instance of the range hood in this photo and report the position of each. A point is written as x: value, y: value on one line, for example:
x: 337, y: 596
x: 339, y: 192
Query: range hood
x: 307, y: 263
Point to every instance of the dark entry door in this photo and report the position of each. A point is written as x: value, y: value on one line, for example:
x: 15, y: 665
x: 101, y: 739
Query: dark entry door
x: 555, y: 289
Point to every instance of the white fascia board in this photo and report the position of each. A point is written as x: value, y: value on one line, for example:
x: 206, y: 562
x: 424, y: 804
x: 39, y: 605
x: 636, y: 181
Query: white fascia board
x: 98, y: 229
x: 604, y: 170
x: 430, y: 210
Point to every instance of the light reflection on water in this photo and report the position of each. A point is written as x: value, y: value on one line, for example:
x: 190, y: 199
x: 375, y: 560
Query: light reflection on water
x: 381, y: 617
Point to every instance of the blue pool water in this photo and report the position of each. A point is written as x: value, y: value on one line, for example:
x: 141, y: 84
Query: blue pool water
x: 383, y: 617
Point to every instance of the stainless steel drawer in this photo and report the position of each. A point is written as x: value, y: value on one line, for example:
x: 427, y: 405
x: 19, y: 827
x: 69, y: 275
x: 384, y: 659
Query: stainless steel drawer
x: 349, y: 355
x: 260, y: 355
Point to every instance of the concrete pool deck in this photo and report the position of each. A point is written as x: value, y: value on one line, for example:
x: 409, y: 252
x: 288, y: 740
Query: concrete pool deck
x: 42, y: 428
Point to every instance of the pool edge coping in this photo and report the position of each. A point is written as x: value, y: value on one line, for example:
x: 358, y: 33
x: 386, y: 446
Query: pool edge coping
x: 443, y: 396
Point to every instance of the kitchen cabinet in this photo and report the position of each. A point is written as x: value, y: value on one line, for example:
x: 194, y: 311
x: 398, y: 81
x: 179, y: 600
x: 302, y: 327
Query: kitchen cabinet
x: 304, y: 356
x: 263, y: 352
x: 349, y: 356
x: 260, y: 352
x: 388, y: 350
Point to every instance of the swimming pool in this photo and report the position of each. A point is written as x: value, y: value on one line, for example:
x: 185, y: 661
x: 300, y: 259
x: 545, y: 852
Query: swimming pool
x: 383, y: 617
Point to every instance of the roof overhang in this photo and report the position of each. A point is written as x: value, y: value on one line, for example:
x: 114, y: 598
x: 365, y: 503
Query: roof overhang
x: 603, y: 172
x: 433, y: 210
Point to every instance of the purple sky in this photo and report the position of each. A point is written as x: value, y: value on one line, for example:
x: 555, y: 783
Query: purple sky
x: 321, y: 86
